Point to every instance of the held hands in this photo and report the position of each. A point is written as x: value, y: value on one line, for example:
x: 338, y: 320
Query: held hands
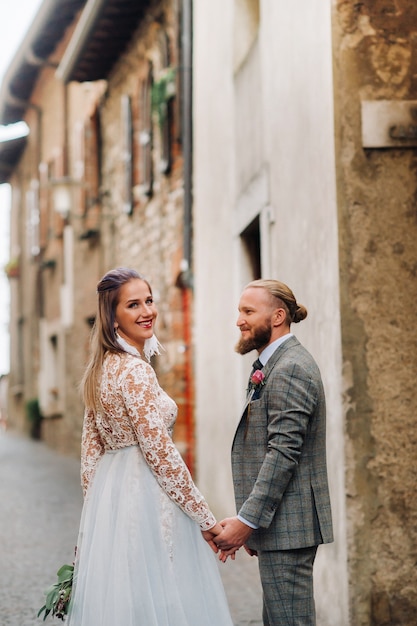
x: 233, y: 536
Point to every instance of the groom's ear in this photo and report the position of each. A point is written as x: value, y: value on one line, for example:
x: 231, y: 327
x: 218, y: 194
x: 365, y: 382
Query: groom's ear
x: 279, y: 317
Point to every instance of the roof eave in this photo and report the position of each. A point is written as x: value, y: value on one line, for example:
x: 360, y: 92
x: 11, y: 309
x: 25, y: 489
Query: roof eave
x: 13, y: 103
x: 79, y: 39
x: 100, y: 38
x: 10, y: 153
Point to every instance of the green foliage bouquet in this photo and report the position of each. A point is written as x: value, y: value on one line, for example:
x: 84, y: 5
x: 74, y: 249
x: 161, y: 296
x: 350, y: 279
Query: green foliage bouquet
x: 58, y: 595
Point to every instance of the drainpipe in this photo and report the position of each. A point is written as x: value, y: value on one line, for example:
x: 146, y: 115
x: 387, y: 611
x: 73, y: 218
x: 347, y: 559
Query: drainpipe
x: 65, y: 164
x: 187, y: 59
x: 185, y: 277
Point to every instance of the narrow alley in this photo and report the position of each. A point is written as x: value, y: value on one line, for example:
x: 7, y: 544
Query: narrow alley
x: 41, y: 501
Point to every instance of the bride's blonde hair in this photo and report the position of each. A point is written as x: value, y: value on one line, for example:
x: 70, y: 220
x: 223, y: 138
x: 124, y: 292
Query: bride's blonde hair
x: 103, y: 335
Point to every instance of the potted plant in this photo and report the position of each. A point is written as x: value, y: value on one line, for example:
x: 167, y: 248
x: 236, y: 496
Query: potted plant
x: 12, y: 268
x: 34, y: 417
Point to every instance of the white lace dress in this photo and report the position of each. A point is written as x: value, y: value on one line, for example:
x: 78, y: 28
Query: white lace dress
x: 141, y: 559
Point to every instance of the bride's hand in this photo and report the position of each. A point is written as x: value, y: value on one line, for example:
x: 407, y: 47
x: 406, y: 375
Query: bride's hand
x: 210, y: 534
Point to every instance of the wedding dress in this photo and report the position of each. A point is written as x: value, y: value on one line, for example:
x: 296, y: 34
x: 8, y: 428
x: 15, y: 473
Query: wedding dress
x: 141, y: 559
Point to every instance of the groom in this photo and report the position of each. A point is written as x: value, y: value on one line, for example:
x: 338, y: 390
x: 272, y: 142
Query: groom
x: 279, y: 457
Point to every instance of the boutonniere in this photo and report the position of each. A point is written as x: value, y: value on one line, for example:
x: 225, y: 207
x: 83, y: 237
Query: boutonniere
x: 256, y: 382
x: 257, y: 379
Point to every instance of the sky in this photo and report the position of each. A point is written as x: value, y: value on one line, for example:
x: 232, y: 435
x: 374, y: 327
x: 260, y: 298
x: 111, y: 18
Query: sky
x: 16, y: 18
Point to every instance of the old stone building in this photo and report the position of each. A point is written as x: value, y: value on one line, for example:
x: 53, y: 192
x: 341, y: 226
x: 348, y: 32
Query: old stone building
x: 99, y: 184
x: 40, y: 335
x: 303, y: 168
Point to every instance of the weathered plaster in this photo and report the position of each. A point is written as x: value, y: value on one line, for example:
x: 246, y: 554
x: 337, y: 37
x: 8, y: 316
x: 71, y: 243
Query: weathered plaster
x: 375, y: 58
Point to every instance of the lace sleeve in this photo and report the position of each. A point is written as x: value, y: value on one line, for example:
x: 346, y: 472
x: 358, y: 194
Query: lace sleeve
x: 91, y: 449
x: 140, y: 392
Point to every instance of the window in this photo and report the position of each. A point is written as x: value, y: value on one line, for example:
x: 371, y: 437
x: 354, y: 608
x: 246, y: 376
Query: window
x: 50, y: 370
x: 33, y: 218
x: 51, y: 222
x: 145, y: 136
x: 251, y: 247
x: 127, y: 151
x: 44, y: 204
x: 163, y: 94
x: 92, y: 166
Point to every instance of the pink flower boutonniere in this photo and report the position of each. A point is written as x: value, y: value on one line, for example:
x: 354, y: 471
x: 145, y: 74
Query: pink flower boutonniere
x: 258, y: 378
x: 256, y: 381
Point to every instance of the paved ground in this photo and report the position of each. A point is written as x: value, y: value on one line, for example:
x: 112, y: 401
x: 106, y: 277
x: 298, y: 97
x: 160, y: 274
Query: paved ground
x: 40, y: 504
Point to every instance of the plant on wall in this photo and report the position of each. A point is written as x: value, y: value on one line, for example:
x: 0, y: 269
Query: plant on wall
x: 163, y: 90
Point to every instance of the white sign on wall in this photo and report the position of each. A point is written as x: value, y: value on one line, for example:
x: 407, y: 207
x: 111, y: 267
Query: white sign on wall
x: 389, y: 123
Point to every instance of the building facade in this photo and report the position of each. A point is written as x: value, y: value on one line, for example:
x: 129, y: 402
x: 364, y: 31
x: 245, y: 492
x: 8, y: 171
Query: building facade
x: 273, y: 213
x: 98, y: 184
x: 299, y: 189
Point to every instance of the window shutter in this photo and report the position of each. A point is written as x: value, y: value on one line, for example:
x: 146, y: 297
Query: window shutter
x: 127, y: 151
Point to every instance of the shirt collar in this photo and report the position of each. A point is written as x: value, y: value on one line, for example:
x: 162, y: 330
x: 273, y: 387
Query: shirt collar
x: 270, y: 349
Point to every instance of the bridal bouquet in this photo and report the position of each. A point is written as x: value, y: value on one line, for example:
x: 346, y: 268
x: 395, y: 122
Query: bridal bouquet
x: 58, y: 595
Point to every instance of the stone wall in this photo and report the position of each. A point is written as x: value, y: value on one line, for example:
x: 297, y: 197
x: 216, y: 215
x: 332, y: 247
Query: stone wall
x: 376, y: 59
x: 150, y: 239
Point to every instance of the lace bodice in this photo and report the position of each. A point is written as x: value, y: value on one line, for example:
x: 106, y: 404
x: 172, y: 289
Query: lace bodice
x: 135, y: 410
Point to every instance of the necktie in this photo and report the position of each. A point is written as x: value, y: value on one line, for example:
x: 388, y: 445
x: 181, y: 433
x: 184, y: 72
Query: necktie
x: 256, y: 365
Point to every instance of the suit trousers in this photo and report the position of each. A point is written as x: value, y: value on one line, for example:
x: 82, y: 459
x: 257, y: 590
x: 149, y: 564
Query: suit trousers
x: 287, y: 583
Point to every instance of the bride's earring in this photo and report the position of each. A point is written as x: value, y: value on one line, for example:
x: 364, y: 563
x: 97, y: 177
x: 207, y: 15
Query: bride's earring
x: 151, y: 347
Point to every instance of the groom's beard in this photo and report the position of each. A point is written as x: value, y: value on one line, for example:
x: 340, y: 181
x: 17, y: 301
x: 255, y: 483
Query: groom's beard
x: 260, y: 338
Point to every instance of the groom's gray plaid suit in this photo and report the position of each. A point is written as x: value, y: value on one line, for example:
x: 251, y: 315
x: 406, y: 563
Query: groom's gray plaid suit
x: 279, y: 455
x: 280, y: 481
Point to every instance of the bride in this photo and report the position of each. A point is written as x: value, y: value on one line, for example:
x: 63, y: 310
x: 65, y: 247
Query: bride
x: 141, y: 558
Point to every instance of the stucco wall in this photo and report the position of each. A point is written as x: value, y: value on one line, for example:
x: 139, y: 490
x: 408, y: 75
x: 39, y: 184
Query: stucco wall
x: 375, y: 59
x: 274, y: 158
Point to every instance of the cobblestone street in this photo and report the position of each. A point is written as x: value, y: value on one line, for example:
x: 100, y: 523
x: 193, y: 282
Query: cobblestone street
x: 41, y: 501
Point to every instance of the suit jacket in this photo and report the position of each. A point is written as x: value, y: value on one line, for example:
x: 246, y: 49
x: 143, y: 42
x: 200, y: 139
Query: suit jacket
x: 279, y: 455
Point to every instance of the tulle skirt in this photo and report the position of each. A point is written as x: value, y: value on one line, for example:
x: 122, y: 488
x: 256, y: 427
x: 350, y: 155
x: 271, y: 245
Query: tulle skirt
x: 140, y: 560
